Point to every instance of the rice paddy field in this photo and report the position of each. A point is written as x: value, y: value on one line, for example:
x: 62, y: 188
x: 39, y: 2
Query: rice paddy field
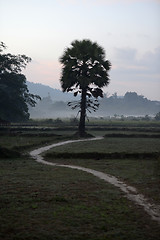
x: 51, y: 202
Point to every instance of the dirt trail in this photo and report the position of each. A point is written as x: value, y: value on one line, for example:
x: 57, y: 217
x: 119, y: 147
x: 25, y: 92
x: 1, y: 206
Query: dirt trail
x: 130, y: 192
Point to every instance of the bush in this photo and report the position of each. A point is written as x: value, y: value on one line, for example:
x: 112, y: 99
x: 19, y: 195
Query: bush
x: 74, y: 121
x: 58, y: 121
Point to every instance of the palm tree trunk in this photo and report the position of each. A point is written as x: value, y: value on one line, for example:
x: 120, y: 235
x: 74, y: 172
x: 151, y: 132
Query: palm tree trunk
x: 82, y: 113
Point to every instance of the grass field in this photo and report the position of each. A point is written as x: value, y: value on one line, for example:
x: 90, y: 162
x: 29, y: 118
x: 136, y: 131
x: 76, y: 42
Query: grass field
x: 113, y: 145
x: 44, y: 202
x: 40, y: 202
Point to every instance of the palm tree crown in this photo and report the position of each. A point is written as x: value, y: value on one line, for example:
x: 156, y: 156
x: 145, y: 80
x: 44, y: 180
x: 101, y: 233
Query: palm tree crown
x: 84, y: 64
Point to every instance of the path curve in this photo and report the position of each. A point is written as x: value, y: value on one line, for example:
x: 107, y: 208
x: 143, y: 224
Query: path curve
x: 130, y: 192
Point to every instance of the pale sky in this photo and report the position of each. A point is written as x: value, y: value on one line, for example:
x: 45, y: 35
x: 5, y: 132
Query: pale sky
x: 128, y: 30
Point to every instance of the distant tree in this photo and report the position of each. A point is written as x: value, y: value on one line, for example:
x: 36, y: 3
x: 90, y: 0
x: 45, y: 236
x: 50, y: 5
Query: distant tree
x: 131, y: 96
x: 85, y: 71
x: 74, y: 121
x: 14, y: 94
x: 146, y: 117
x: 157, y: 117
x: 114, y: 95
x: 134, y: 97
x: 58, y: 121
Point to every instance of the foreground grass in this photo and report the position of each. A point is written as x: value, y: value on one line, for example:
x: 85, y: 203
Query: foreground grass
x: 144, y: 174
x: 43, y: 202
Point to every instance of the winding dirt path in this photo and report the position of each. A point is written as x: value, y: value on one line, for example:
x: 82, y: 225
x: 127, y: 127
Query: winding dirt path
x: 130, y: 192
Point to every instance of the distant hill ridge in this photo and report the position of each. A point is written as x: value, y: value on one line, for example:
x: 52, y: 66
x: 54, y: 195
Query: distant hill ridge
x: 44, y: 91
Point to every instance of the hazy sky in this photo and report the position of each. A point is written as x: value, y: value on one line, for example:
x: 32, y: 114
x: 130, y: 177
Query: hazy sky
x: 128, y: 30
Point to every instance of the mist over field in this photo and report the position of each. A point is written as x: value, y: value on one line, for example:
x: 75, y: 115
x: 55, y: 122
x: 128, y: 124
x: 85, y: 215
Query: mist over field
x: 53, y: 104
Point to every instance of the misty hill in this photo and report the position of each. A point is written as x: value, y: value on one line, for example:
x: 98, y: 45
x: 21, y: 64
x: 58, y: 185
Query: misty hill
x: 131, y: 104
x: 44, y: 91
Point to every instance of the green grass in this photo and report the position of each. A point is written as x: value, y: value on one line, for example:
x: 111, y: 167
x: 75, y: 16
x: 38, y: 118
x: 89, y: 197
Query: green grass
x: 104, y: 132
x: 43, y: 202
x: 107, y: 145
x: 121, y: 123
x: 144, y: 174
x: 22, y: 142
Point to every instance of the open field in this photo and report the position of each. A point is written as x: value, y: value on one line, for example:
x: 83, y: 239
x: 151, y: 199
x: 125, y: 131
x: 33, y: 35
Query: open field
x: 44, y: 202
x: 144, y: 174
x: 41, y: 202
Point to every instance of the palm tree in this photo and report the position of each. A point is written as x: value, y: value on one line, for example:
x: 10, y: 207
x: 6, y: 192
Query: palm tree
x: 84, y: 71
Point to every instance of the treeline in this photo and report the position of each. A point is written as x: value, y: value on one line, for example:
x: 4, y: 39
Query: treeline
x: 129, y: 104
